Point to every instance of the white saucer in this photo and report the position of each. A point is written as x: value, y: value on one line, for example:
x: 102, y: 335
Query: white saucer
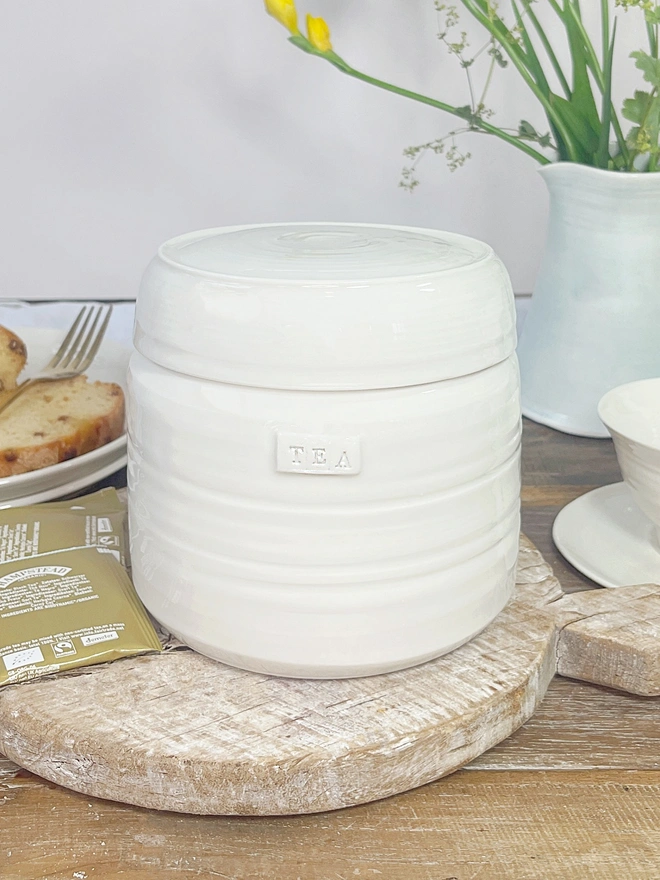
x: 607, y: 537
x: 46, y: 484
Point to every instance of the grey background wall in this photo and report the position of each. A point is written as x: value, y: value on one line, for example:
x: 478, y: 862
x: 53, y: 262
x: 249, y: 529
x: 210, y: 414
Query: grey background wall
x: 127, y: 123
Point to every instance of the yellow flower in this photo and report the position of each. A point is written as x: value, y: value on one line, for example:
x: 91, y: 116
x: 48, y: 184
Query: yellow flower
x: 318, y: 34
x: 285, y: 12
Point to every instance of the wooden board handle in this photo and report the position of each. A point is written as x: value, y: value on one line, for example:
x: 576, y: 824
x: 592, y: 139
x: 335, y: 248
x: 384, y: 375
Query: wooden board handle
x: 611, y: 637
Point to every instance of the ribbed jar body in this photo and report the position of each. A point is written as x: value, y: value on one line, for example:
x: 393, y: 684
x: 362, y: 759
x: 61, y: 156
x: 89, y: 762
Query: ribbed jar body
x: 323, y: 533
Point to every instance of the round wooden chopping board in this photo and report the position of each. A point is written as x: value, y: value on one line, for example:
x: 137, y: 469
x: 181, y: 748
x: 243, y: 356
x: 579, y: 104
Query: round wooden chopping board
x: 178, y: 731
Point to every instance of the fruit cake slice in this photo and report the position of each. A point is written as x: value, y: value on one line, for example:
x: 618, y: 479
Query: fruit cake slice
x: 13, y: 356
x: 56, y: 421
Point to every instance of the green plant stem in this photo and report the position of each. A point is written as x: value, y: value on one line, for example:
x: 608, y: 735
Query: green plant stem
x: 605, y: 27
x: 556, y: 8
x: 491, y: 69
x: 597, y: 69
x: 533, y: 62
x: 620, y: 136
x: 581, y: 133
x: 548, y: 48
x: 479, y: 124
x: 498, y: 29
x: 471, y: 90
x: 652, y: 31
x: 592, y: 57
x: 608, y: 60
x: 603, y: 153
x: 594, y: 64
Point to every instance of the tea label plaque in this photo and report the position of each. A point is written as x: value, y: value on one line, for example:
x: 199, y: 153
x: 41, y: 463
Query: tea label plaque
x: 318, y: 454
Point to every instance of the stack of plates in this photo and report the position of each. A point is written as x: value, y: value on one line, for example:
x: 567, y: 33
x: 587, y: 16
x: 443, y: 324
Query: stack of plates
x: 68, y: 477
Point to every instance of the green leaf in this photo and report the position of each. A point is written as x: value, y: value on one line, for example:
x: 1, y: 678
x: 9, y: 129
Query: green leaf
x: 582, y: 51
x: 580, y: 54
x: 605, y: 27
x: 602, y: 156
x: 638, y: 108
x: 483, y: 11
x: 584, y: 136
x: 649, y: 66
x: 580, y: 113
x: 653, y: 15
x: 465, y: 112
x: 533, y: 63
x: 643, y: 109
x: 576, y: 117
x: 547, y: 46
x: 527, y: 131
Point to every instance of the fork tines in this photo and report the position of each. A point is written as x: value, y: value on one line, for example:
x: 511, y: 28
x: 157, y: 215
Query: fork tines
x: 82, y: 342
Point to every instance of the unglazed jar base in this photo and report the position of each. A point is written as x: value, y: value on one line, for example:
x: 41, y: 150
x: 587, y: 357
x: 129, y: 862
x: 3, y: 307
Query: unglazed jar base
x: 324, y: 445
x: 267, y: 666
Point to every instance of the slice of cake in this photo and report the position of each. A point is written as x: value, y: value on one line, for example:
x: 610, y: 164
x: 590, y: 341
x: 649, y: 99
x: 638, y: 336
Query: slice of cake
x: 56, y: 421
x: 13, y: 356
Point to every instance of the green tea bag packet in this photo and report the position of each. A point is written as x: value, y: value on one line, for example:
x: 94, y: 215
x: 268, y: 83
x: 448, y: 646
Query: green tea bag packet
x: 96, y: 520
x: 67, y: 609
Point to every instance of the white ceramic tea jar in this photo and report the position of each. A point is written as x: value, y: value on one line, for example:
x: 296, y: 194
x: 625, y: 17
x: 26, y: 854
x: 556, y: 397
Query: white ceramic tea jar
x: 324, y: 440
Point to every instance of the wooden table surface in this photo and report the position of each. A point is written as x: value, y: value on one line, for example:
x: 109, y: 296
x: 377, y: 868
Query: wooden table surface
x: 575, y: 793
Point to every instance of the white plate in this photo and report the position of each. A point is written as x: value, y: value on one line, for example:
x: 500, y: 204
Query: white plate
x: 607, y: 537
x: 68, y: 488
x: 110, y: 365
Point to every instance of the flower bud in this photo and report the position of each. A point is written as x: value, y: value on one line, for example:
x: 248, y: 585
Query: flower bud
x: 285, y: 12
x: 318, y: 34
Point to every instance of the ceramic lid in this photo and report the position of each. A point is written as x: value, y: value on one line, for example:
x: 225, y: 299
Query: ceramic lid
x: 325, y: 306
x: 327, y: 252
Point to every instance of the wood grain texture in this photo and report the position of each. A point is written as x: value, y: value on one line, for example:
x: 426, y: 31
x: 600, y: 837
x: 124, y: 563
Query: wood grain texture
x: 552, y: 495
x: 477, y: 825
x: 7, y: 768
x: 178, y: 731
x: 611, y: 637
x: 582, y: 727
x: 552, y: 459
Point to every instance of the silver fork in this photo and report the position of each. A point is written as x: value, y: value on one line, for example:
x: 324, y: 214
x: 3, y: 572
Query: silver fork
x: 77, y: 351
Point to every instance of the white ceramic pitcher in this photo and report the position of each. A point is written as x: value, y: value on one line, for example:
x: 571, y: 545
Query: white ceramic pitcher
x: 594, y: 320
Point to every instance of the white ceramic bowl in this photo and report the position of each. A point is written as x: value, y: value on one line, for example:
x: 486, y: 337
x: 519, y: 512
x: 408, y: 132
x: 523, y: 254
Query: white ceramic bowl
x: 631, y: 414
